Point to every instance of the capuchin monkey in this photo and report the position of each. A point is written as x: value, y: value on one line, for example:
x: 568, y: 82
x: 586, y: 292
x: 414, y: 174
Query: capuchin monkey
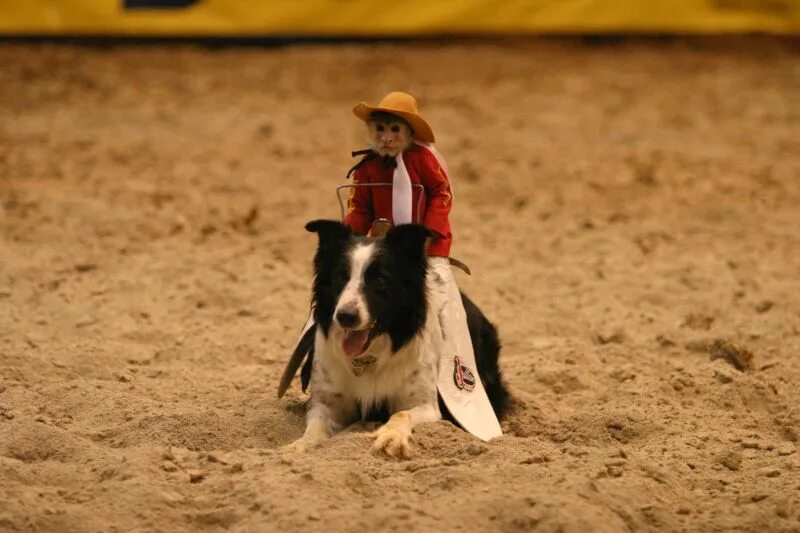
x: 388, y: 134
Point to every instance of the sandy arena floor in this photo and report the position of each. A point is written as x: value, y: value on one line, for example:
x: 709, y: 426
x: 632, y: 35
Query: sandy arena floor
x: 623, y: 207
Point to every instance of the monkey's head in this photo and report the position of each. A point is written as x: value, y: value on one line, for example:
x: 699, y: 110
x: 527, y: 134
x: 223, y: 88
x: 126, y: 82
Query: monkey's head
x: 388, y: 133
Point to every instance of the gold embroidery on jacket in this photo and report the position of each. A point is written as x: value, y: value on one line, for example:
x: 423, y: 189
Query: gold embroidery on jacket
x: 351, y: 205
x: 447, y: 195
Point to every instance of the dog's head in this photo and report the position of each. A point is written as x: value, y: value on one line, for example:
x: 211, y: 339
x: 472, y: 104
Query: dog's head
x: 365, y: 288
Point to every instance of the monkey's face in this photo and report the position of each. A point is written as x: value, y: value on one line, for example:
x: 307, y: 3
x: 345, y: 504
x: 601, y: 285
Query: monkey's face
x: 389, y: 137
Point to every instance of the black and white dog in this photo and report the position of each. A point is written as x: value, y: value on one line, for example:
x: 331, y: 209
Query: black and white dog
x: 377, y: 344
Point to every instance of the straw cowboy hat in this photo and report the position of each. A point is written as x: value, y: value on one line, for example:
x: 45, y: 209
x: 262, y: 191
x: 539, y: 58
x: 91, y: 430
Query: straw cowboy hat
x: 404, y: 106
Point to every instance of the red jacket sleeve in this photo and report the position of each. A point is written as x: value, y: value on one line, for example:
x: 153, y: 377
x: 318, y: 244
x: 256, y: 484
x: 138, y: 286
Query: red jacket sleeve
x: 439, y: 197
x: 358, y: 210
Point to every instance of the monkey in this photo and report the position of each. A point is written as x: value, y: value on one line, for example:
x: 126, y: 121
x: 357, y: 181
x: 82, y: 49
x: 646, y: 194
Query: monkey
x: 388, y: 134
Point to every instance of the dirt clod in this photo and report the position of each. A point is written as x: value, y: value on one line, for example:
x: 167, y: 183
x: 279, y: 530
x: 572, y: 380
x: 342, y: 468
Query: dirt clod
x: 731, y: 460
x: 740, y: 358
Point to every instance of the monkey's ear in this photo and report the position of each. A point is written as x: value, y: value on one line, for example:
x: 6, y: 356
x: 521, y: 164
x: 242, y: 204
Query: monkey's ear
x: 329, y: 231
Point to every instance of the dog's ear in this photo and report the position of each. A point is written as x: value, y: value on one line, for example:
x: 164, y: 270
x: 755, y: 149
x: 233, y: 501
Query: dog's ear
x: 409, y: 240
x: 329, y: 231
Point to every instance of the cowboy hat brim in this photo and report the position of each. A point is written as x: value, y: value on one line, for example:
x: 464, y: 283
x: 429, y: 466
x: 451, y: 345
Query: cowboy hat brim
x: 422, y: 130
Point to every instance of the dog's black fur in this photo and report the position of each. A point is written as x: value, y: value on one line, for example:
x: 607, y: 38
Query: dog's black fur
x: 395, y: 287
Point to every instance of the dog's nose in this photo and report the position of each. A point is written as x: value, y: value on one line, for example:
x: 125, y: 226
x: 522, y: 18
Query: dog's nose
x: 347, y: 317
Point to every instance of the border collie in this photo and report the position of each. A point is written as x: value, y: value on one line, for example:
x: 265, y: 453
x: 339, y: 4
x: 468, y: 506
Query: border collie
x: 377, y: 342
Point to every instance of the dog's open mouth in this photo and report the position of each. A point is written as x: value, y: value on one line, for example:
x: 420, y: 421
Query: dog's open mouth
x: 356, y: 341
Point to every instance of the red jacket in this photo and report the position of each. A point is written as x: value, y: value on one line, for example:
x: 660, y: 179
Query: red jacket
x: 365, y: 204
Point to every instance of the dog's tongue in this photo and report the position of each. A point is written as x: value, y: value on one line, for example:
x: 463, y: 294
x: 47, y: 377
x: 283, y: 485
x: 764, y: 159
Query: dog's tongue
x: 355, y: 342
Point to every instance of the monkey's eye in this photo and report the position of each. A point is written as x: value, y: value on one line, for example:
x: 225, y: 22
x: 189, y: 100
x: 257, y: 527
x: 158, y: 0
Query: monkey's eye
x: 395, y: 129
x: 379, y: 127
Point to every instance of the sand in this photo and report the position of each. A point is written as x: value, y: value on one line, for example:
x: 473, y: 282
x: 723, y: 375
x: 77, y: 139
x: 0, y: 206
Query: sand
x: 629, y: 211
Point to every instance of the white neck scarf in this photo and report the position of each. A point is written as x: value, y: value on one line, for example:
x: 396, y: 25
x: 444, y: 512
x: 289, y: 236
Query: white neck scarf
x: 402, y: 193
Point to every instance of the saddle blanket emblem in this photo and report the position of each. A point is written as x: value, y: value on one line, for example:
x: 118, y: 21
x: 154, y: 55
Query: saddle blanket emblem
x: 463, y: 376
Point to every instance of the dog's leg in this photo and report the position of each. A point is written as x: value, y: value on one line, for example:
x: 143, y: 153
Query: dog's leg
x: 327, y: 415
x: 393, y: 437
x: 319, y: 427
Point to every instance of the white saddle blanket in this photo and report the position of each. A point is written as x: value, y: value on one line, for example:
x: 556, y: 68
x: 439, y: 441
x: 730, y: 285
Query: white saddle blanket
x: 460, y: 388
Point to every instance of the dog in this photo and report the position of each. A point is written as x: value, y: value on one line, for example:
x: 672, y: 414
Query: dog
x: 377, y: 339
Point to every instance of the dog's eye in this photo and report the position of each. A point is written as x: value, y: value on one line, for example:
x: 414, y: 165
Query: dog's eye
x: 378, y: 279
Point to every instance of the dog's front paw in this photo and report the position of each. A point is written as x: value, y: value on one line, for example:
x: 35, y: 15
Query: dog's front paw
x: 301, y: 445
x: 393, y: 441
x: 316, y: 432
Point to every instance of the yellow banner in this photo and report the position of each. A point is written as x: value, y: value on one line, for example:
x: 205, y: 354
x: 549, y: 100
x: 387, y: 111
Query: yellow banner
x: 249, y: 18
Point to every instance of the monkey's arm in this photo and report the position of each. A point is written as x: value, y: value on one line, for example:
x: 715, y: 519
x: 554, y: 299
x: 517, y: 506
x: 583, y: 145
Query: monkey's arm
x: 359, y: 214
x: 437, y: 187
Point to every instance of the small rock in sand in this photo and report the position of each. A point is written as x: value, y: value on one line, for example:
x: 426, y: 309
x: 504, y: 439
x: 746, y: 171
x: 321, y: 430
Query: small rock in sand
x: 535, y: 459
x: 697, y: 345
x: 764, y: 306
x: 785, y: 449
x: 477, y: 449
x: 616, y: 336
x: 215, y: 457
x: 85, y: 267
x: 698, y: 321
x: 722, y: 376
x: 740, y: 358
x: 664, y: 341
x: 196, y: 476
x: 731, y: 460
x: 769, y: 472
x: 84, y: 321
